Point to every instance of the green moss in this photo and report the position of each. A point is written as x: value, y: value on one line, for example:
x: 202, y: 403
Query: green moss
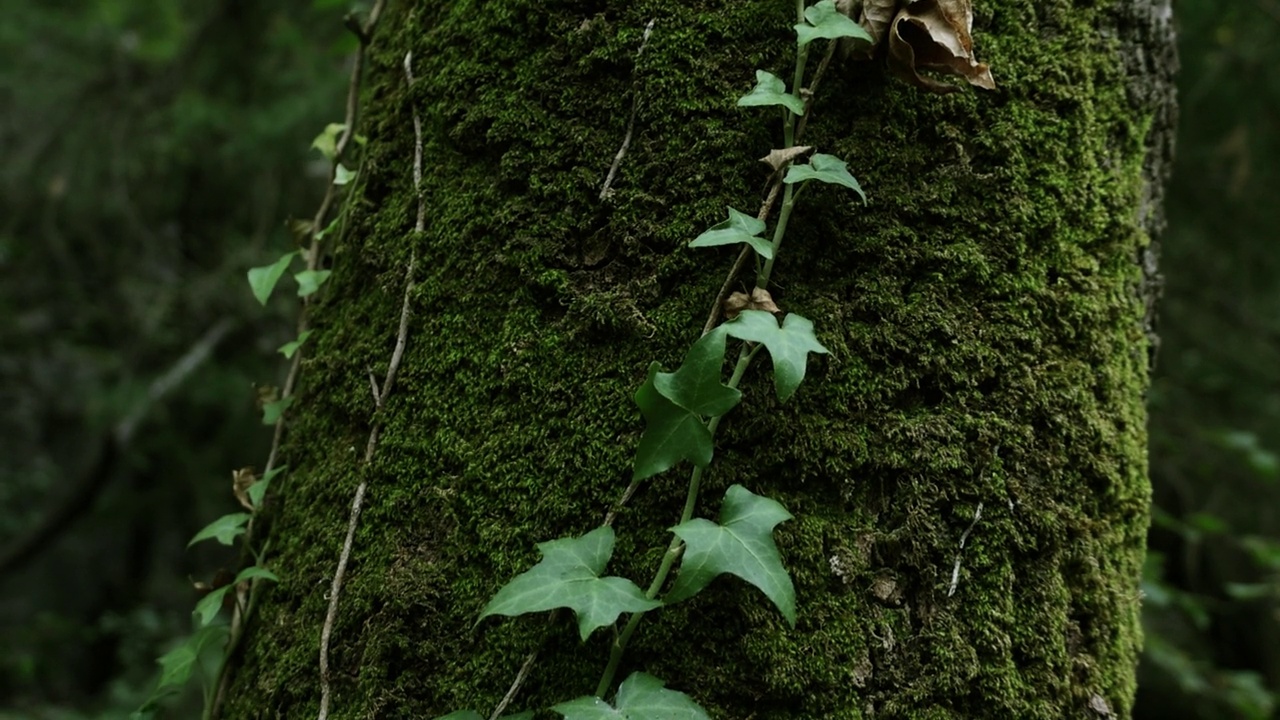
x: 986, y: 348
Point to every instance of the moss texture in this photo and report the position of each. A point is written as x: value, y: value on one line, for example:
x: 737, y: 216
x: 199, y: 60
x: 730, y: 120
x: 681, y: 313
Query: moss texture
x: 987, y: 349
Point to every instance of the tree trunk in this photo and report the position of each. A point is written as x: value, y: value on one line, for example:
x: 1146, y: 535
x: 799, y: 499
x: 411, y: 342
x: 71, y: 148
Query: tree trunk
x: 982, y: 403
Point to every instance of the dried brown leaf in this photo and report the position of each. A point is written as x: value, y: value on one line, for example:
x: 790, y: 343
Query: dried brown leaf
x: 735, y: 303
x: 762, y: 300
x: 935, y: 35
x: 240, y: 481
x: 781, y: 157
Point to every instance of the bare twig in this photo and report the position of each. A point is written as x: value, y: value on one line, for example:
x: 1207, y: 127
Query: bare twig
x: 605, y: 191
x: 955, y: 571
x: 380, y: 401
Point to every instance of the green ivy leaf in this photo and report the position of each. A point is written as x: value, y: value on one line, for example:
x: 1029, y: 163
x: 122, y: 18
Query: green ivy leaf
x: 739, y: 228
x: 225, y: 529
x: 327, y: 141
x: 209, y: 605
x: 258, y: 490
x: 742, y: 545
x: 696, y: 386
x: 825, y: 21
x: 262, y: 280
x: 289, y: 348
x: 255, y: 572
x: 641, y: 697
x: 788, y: 346
x: 342, y: 176
x: 309, y: 281
x: 826, y: 168
x: 770, y: 90
x: 177, y: 665
x: 271, y: 411
x: 569, y: 576
x: 671, y: 433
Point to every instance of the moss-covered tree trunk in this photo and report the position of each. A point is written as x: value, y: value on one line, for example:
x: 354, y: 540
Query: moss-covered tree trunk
x: 987, y: 317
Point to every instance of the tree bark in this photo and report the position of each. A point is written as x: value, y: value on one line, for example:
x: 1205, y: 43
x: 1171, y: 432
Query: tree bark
x: 985, y: 316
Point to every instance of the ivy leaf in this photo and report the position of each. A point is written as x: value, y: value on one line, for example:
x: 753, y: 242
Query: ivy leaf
x: 671, y: 433
x: 327, y: 141
x: 177, y: 665
x: 271, y: 411
x: 788, y: 346
x: 641, y: 697
x: 209, y: 605
x: 309, y: 281
x: 262, y: 280
x: 828, y: 169
x: 225, y: 529
x: 696, y: 386
x: 739, y: 228
x: 825, y: 21
x: 742, y: 545
x: 569, y: 576
x: 770, y: 90
x: 289, y: 348
x: 258, y: 490
x: 256, y: 572
x: 341, y: 175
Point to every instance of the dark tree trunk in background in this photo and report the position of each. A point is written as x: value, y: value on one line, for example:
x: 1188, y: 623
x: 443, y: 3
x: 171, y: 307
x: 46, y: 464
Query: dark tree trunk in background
x: 986, y: 316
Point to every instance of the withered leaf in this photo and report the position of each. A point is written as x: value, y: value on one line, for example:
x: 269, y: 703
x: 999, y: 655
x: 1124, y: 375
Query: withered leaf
x: 935, y: 35
x: 780, y: 157
x: 240, y: 481
x: 760, y: 299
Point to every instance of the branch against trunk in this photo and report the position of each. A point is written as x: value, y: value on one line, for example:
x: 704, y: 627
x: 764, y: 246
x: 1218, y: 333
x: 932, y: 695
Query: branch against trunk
x: 987, y: 350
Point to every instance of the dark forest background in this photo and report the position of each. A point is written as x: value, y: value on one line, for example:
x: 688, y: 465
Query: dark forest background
x: 152, y: 151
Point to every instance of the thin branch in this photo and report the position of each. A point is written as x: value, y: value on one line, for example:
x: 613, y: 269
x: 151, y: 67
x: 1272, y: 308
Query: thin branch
x: 955, y: 571
x: 380, y: 401
x: 605, y: 191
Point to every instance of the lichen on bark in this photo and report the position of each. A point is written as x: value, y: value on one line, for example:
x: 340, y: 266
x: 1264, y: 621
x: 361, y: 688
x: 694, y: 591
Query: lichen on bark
x: 986, y: 343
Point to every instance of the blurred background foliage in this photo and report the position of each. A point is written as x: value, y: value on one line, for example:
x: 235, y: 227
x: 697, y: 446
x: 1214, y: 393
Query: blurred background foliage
x: 153, y: 152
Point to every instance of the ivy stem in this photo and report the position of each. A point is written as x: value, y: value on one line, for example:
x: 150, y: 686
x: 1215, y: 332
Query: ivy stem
x: 676, y: 547
x: 779, y: 232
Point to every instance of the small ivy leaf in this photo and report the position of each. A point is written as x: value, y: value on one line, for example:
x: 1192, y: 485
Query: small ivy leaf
x: 309, y: 281
x: 825, y: 21
x: 256, y: 572
x: 289, y: 348
x: 826, y: 168
x: 262, y: 280
x: 696, y: 386
x: 742, y: 545
x: 209, y: 605
x: 569, y: 576
x: 258, y: 490
x: 770, y: 90
x: 271, y: 411
x: 641, y: 697
x: 225, y: 529
x: 462, y: 715
x: 789, y: 346
x: 327, y: 142
x: 341, y: 175
x: 671, y: 433
x: 177, y: 665
x: 739, y: 228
